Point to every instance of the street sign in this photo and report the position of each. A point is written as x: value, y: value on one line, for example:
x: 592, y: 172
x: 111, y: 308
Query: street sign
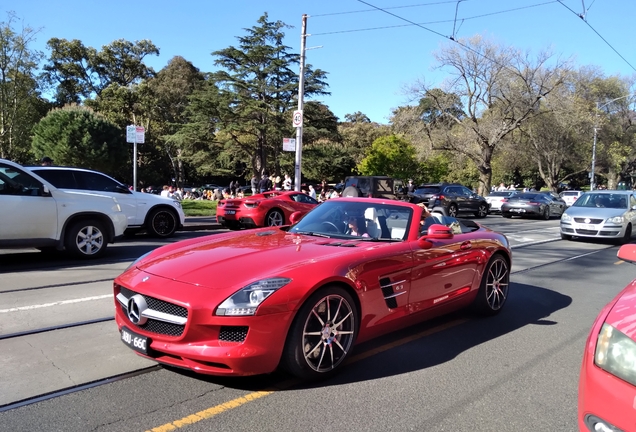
x: 135, y: 134
x: 289, y: 144
x: 298, y: 119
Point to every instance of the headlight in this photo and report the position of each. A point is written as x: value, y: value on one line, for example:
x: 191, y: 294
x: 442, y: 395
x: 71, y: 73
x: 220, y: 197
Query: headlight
x: 247, y: 300
x: 616, y: 354
x: 616, y: 220
x: 137, y: 260
x: 566, y: 217
x: 177, y: 203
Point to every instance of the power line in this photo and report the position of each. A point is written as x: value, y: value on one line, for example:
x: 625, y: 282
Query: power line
x: 393, y: 7
x: 435, y: 22
x: 597, y: 33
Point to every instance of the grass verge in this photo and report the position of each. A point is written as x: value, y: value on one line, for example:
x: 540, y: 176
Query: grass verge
x: 199, y: 207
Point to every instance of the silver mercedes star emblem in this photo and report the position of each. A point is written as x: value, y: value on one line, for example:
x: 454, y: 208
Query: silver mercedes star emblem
x: 136, y: 307
x: 587, y: 220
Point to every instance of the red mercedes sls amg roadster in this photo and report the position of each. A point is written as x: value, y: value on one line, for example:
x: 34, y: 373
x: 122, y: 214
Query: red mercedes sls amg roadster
x: 267, y: 209
x: 303, y: 295
x: 607, y: 384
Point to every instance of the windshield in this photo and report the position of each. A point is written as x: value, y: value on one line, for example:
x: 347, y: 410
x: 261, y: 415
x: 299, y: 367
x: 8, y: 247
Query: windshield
x: 363, y: 220
x: 606, y: 200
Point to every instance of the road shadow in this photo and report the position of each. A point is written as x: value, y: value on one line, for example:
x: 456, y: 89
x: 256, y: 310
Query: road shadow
x: 527, y: 305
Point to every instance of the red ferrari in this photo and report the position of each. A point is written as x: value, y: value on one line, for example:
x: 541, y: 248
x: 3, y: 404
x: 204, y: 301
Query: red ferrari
x: 267, y: 209
x: 607, y: 384
x: 303, y: 295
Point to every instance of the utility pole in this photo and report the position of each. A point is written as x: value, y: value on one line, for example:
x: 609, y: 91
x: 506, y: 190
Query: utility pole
x: 592, y: 174
x: 301, y: 94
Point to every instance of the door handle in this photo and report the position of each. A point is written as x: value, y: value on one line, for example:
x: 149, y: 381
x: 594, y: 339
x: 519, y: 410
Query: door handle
x: 466, y: 245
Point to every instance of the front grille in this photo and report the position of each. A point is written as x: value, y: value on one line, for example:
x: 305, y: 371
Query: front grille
x: 586, y: 232
x: 592, y: 221
x: 154, y: 325
x: 233, y: 333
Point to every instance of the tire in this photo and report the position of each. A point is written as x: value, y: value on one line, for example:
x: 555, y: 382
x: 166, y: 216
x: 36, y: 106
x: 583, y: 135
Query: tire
x: 482, y: 211
x: 546, y: 213
x: 86, y: 239
x: 506, y: 215
x: 493, y: 290
x: 566, y: 237
x: 315, y: 347
x: 162, y: 223
x: 627, y: 237
x: 452, y: 210
x: 351, y: 191
x: 274, y: 218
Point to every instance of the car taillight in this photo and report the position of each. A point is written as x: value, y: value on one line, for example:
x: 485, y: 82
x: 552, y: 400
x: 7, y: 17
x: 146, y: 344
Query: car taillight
x: 439, y: 197
x: 504, y: 200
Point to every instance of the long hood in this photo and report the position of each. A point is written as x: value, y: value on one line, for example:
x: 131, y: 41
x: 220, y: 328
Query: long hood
x: 623, y: 315
x: 244, y: 257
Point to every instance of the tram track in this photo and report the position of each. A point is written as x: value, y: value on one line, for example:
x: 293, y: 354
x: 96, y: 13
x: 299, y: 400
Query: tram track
x: 53, y: 328
x: 60, y: 285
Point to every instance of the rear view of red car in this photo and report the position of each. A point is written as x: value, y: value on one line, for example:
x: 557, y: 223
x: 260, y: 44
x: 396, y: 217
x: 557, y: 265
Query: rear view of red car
x: 607, y: 385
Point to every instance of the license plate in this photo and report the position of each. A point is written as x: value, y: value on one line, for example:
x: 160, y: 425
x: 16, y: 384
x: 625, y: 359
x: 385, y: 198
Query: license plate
x: 133, y: 340
x: 230, y: 212
x: 586, y: 227
x: 518, y: 210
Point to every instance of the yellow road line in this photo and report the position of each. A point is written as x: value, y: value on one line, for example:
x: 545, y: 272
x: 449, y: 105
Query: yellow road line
x: 235, y: 403
x: 619, y: 262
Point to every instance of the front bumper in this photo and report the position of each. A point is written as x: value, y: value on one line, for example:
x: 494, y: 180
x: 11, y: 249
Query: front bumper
x: 592, y: 231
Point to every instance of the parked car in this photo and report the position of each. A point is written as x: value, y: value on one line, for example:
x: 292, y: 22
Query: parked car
x: 306, y: 294
x: 159, y: 216
x: 570, y: 196
x: 533, y: 204
x: 450, y: 199
x: 370, y: 187
x: 607, y: 382
x: 605, y: 214
x: 272, y: 208
x: 37, y: 214
x: 496, y: 198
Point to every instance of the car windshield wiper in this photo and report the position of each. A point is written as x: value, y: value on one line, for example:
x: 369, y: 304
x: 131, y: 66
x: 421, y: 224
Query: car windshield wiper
x: 311, y: 233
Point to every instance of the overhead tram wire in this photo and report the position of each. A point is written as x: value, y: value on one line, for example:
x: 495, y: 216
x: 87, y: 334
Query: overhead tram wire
x: 597, y: 33
x: 429, y: 22
x: 391, y: 7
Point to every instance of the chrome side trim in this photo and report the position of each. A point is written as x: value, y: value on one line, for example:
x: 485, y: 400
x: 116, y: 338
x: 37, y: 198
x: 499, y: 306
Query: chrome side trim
x: 394, y: 295
x: 394, y: 283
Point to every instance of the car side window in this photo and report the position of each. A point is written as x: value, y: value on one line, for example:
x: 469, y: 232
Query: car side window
x: 466, y: 192
x: 16, y: 182
x: 62, y: 179
x: 96, y: 182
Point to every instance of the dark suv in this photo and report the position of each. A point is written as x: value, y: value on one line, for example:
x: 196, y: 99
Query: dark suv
x: 370, y: 186
x: 450, y: 199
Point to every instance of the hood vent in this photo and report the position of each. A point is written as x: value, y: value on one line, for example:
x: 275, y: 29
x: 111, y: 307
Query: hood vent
x: 388, y: 291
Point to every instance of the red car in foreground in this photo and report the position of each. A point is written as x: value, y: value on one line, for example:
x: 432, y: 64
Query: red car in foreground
x: 271, y: 208
x: 607, y: 384
x: 244, y: 303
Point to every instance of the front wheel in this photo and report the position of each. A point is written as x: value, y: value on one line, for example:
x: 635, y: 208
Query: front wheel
x: 482, y: 211
x: 493, y: 290
x: 162, y: 223
x: 452, y: 210
x: 566, y: 237
x: 322, y: 334
x: 86, y: 239
x: 627, y: 236
x: 274, y: 218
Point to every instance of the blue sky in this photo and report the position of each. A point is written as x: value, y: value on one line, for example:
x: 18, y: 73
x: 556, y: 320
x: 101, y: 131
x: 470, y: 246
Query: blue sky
x: 368, y: 70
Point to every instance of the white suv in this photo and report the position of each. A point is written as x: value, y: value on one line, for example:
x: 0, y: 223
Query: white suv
x: 159, y: 216
x: 34, y: 213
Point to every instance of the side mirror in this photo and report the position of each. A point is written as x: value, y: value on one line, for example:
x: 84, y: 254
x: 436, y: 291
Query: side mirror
x: 627, y: 253
x: 295, y: 217
x: 439, y: 231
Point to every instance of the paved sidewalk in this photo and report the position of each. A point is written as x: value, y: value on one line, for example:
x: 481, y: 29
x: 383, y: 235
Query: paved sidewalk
x: 200, y: 223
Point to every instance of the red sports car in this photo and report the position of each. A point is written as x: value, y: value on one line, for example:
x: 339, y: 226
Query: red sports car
x: 302, y: 295
x: 607, y: 384
x: 267, y: 209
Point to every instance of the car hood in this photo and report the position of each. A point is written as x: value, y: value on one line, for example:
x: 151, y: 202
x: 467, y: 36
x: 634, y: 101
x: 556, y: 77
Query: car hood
x: 244, y: 257
x: 594, y: 212
x: 623, y: 315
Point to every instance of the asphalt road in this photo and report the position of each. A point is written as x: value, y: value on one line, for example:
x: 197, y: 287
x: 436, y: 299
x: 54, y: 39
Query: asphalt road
x: 517, y: 371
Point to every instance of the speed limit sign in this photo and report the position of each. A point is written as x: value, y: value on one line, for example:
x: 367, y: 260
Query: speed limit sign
x: 298, y: 119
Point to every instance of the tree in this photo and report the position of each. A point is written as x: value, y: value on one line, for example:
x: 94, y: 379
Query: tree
x: 77, y: 136
x: 392, y: 156
x: 359, y: 134
x: 79, y: 72
x: 500, y: 89
x: 21, y: 105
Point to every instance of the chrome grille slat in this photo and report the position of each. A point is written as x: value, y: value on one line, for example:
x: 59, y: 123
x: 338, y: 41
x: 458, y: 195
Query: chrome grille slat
x: 163, y: 317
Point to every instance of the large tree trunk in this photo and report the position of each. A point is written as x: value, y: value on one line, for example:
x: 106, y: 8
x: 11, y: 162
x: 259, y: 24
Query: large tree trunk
x: 613, y: 177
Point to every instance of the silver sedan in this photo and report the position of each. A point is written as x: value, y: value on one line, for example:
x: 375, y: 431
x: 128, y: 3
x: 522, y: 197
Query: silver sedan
x: 601, y: 214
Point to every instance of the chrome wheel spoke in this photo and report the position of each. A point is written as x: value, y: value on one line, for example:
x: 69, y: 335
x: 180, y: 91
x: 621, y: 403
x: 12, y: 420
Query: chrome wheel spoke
x: 322, y: 355
x: 313, y: 350
x: 337, y: 325
x: 322, y: 323
x: 312, y: 333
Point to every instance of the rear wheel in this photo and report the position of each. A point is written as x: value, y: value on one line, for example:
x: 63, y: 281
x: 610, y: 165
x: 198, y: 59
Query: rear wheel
x: 506, y: 215
x: 274, y: 218
x: 86, y: 239
x: 322, y: 334
x: 162, y: 223
x: 546, y: 213
x: 452, y: 210
x: 493, y: 290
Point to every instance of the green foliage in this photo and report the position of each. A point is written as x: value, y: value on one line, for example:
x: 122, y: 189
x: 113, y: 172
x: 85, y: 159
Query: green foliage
x: 77, y: 136
x: 392, y: 156
x: 199, y: 207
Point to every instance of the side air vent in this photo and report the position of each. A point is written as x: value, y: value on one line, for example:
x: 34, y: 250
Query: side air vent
x: 388, y: 291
